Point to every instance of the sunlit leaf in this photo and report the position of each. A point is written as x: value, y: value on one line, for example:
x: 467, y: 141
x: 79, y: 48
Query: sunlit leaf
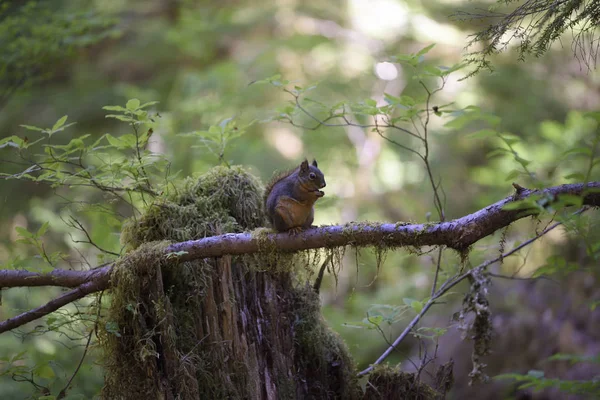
x: 133, y: 104
x: 59, y: 123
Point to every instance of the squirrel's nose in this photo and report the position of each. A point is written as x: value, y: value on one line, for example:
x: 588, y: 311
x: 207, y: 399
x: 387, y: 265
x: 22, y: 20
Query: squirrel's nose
x: 324, y: 184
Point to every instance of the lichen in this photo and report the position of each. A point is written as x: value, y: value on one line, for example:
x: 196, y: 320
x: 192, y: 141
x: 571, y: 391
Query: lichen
x: 480, y: 330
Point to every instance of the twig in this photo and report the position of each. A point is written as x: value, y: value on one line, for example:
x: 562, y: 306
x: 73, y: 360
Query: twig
x: 74, y: 223
x: 317, y: 284
x: 63, y: 392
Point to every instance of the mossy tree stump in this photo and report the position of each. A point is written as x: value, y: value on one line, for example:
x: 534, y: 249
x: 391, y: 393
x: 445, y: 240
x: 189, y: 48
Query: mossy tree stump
x: 225, y: 328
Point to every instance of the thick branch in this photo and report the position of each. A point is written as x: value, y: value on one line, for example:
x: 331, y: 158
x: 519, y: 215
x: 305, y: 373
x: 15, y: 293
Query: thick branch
x: 458, y: 234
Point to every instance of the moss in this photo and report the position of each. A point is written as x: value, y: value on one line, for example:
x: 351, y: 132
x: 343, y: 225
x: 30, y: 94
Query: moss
x: 322, y: 358
x: 392, y: 384
x: 155, y: 304
x: 221, y: 201
x: 127, y: 340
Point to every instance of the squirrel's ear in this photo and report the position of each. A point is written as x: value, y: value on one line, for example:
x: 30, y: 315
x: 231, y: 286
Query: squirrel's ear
x: 304, y: 165
x: 314, y: 163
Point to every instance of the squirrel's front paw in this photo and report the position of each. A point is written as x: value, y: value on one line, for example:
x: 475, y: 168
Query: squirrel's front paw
x: 294, y: 231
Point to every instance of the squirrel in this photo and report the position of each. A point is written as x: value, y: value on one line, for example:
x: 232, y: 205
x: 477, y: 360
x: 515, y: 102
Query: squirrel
x: 291, y: 195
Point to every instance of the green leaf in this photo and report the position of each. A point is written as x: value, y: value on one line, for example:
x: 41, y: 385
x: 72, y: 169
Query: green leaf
x: 24, y: 233
x: 584, y: 151
x: 405, y: 101
x: 12, y: 141
x: 536, y: 373
x: 18, y: 357
x: 113, y: 141
x: 44, y: 371
x: 482, y: 133
x: 133, y: 104
x: 120, y: 117
x: 114, y: 108
x: 595, y: 115
x: 497, y: 152
x: 42, y: 229
x: 522, y: 161
x: 510, y: 141
x: 417, y: 306
x: 425, y: 50
x: 520, y: 205
x: 434, y: 71
x: 569, y: 200
x: 375, y: 320
x: 512, y: 175
x: 576, y: 176
x: 468, y: 115
x: 148, y: 104
x: 32, y: 128
x: 59, y: 123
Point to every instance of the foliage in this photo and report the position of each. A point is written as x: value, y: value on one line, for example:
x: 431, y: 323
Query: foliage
x: 536, y: 25
x: 38, y: 38
x: 537, y: 382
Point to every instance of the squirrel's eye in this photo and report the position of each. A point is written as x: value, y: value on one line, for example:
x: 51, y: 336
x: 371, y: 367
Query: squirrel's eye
x: 312, y: 176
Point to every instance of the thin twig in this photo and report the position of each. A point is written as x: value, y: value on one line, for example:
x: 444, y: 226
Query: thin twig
x: 63, y: 392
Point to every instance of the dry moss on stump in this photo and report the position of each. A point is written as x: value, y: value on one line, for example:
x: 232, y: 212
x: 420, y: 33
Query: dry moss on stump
x: 214, y: 328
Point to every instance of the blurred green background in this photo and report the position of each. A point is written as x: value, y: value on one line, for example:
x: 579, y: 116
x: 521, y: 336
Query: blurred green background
x: 199, y: 58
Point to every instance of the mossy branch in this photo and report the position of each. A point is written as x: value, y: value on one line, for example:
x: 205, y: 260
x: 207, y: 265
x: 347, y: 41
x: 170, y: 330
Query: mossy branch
x: 458, y: 234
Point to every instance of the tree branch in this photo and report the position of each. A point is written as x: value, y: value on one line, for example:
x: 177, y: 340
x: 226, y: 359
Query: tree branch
x: 53, y: 305
x: 58, y: 277
x: 458, y: 234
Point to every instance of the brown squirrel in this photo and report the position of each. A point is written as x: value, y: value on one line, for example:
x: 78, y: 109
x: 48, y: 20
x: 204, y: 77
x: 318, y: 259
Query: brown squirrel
x: 291, y: 195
